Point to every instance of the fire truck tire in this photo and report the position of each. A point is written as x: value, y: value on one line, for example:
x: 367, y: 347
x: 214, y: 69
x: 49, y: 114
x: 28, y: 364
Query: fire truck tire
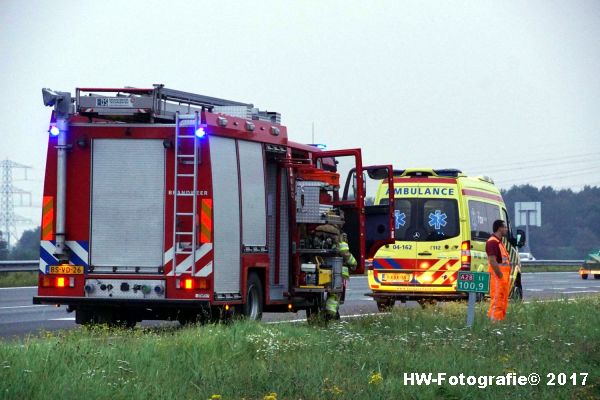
x: 253, y: 306
x: 316, y: 313
x: 584, y: 276
x: 83, y: 316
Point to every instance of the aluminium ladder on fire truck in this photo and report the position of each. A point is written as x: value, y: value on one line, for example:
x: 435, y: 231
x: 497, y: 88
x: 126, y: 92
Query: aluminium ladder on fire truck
x: 162, y: 104
x: 182, y: 159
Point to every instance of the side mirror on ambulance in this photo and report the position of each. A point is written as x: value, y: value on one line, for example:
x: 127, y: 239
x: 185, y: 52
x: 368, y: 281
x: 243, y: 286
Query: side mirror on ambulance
x: 520, y: 238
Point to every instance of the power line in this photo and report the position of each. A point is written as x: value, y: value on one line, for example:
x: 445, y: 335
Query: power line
x: 558, y: 176
x: 542, y: 165
x: 545, y: 160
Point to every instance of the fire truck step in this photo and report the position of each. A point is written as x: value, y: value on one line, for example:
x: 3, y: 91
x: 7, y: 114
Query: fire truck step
x: 188, y: 214
x: 186, y: 175
x: 185, y: 155
x: 184, y: 233
x: 184, y: 252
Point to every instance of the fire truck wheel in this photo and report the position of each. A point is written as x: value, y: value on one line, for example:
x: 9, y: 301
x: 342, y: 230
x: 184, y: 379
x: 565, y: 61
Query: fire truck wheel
x: 584, y: 276
x: 83, y: 316
x: 253, y: 306
x: 385, y: 305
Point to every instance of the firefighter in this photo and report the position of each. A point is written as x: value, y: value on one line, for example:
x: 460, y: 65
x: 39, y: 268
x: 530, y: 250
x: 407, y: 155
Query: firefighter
x: 349, y: 262
x: 499, y: 269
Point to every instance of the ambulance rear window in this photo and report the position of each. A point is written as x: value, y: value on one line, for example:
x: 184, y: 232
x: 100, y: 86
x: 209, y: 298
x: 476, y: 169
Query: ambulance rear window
x: 426, y: 220
x: 440, y: 219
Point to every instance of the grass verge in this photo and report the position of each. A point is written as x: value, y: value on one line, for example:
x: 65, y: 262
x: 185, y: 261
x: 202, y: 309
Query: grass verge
x: 363, y: 358
x: 16, y: 279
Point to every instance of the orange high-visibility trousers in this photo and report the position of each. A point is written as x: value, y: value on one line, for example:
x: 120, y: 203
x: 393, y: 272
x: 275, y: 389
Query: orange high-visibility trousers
x: 499, y: 289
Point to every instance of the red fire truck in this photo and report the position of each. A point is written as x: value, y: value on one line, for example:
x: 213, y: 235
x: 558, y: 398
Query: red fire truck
x: 163, y: 204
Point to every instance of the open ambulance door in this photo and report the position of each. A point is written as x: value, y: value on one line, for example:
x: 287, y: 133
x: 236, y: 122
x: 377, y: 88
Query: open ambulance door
x: 367, y: 225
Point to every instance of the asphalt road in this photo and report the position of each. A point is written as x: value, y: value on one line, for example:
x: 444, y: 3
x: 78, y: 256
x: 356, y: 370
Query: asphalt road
x: 19, y: 317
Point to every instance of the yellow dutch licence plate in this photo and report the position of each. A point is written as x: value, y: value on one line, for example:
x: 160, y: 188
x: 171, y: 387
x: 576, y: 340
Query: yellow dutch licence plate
x: 66, y: 269
x: 396, y: 277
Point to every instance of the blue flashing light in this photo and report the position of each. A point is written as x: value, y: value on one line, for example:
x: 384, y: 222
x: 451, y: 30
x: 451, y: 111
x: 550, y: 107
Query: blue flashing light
x: 54, y: 131
x: 322, y: 146
x: 200, y: 132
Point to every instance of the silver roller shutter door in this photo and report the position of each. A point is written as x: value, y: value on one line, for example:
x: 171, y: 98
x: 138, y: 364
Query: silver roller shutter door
x: 226, y: 214
x: 128, y: 195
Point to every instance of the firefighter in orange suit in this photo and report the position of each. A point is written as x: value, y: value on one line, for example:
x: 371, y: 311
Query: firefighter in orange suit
x: 499, y: 269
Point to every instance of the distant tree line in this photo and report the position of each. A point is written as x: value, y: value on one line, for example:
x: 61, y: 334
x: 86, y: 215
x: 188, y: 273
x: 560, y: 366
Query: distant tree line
x: 570, y: 220
x: 27, y: 248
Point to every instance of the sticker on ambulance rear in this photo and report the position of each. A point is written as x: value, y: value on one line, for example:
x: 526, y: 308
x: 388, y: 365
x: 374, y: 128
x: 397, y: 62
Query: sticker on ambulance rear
x: 437, y: 219
x: 400, y: 218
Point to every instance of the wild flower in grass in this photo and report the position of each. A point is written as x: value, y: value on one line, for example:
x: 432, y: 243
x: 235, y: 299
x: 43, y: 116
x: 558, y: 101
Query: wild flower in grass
x: 375, y: 378
x: 270, y: 396
x: 215, y: 397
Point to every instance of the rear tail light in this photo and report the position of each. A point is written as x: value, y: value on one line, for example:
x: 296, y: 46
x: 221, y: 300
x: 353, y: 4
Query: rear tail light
x: 191, y: 283
x: 58, y: 281
x: 465, y: 256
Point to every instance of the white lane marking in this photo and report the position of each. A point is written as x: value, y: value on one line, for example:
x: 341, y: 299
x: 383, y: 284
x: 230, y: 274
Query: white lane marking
x: 534, y: 290
x: 581, y: 291
x: 62, y: 319
x: 32, y: 306
x: 579, y: 287
x: 18, y: 287
x: 559, y: 281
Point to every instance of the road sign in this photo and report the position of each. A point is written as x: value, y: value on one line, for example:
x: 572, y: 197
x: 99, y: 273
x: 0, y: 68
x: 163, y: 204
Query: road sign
x: 469, y: 281
x: 528, y: 213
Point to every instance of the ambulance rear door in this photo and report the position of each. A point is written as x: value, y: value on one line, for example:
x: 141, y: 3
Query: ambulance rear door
x: 439, y: 228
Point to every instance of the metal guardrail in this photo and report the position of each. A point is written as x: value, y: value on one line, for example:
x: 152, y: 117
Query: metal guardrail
x: 19, y: 266
x: 559, y: 263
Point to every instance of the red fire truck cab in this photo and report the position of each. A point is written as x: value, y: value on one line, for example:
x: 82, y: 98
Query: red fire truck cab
x: 163, y: 204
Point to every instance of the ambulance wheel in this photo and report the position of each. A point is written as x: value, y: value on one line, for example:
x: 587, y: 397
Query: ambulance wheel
x: 424, y: 303
x: 517, y: 292
x: 584, y: 276
x: 385, y: 305
x: 253, y: 307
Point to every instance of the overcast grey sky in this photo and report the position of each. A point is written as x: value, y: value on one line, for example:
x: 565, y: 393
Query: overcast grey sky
x: 510, y: 89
